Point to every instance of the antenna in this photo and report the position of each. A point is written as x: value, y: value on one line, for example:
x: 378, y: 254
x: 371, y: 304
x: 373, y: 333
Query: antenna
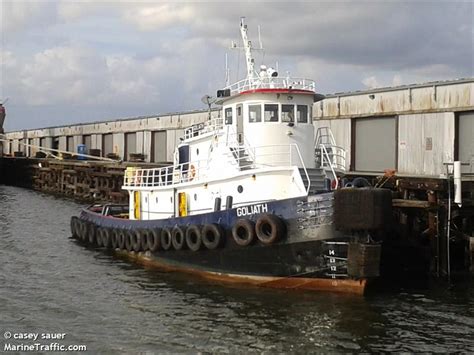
x: 259, y: 38
x: 227, y: 72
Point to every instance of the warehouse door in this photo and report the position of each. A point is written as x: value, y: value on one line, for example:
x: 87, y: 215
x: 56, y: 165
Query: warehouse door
x: 375, y: 144
x: 159, y: 146
x: 87, y: 140
x: 70, y: 144
x: 130, y: 145
x: 107, y: 144
x: 466, y: 141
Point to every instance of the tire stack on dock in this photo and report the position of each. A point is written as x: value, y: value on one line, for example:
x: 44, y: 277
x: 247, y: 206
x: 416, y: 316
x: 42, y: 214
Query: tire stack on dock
x: 89, y: 181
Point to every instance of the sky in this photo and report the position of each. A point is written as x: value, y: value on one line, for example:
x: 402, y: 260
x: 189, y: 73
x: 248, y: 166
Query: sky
x: 65, y: 62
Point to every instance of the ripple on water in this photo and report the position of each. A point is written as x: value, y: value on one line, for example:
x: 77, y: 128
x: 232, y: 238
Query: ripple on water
x: 50, y: 283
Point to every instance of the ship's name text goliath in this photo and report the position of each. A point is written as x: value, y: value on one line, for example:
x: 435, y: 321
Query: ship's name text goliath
x: 254, y: 209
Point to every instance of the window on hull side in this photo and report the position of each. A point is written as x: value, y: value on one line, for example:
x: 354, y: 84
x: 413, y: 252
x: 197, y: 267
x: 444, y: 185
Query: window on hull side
x: 228, y: 115
x: 302, y: 114
x: 271, y: 113
x: 255, y: 113
x: 288, y: 113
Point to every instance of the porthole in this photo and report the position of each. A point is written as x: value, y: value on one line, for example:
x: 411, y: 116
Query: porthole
x: 240, y: 189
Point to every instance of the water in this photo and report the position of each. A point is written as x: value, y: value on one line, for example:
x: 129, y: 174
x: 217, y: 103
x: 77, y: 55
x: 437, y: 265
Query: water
x: 50, y: 284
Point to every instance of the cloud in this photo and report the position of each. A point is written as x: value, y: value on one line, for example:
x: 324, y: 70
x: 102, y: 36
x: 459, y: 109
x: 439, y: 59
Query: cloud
x: 152, y: 57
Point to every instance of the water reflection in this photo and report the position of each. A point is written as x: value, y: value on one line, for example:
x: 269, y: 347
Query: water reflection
x: 50, y: 283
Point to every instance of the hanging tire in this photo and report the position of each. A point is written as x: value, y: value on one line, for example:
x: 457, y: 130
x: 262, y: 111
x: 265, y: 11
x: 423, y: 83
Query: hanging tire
x: 143, y: 238
x: 91, y: 234
x: 83, y: 231
x: 178, y: 238
x: 106, y: 238
x: 129, y: 240
x: 114, y: 240
x: 269, y: 229
x: 166, y: 238
x: 98, y: 236
x: 153, y: 239
x: 136, y: 240
x: 212, y: 236
x: 74, y: 232
x: 243, y: 232
x: 194, y: 237
x: 122, y: 238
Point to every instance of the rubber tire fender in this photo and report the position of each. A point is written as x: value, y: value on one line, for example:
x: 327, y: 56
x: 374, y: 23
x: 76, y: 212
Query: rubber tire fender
x: 212, y: 236
x: 178, y: 238
x: 107, y: 237
x: 98, y: 236
x: 243, y: 232
x: 269, y: 228
x: 142, y: 235
x: 166, y: 238
x: 154, y: 239
x: 121, y: 240
x: 129, y: 240
x: 91, y: 234
x: 136, y: 241
x: 74, y: 231
x: 114, y: 240
x: 83, y: 231
x: 193, y: 231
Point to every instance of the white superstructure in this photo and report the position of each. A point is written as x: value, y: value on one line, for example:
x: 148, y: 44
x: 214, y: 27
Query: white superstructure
x: 262, y: 148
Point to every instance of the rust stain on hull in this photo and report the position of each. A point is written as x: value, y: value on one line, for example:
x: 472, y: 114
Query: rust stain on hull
x: 295, y: 283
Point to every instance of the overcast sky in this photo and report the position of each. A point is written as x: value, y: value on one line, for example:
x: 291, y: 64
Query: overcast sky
x: 65, y: 61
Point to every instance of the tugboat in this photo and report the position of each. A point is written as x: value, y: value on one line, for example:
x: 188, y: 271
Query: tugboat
x: 253, y: 197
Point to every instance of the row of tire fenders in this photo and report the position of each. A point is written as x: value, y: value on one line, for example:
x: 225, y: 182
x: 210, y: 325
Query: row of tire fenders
x: 268, y: 229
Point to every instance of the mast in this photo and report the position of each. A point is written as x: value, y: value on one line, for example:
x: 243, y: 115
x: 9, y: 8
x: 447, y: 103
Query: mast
x: 248, y: 50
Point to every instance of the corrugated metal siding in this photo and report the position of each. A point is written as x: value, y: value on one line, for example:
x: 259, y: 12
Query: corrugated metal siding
x: 466, y: 141
x: 130, y: 144
x: 375, y: 144
x: 425, y: 142
x: 159, y: 146
x: 391, y: 101
x: 107, y: 144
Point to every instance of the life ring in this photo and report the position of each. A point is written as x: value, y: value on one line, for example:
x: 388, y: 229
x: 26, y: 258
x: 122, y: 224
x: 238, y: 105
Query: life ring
x: 178, y: 238
x: 153, y: 239
x: 212, y: 236
x: 165, y: 238
x: 193, y: 237
x: 269, y: 229
x: 243, y: 232
x: 192, y: 172
x: 122, y: 239
x: 106, y: 238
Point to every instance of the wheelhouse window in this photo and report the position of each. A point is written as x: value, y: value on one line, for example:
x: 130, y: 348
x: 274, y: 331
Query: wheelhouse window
x: 288, y: 113
x: 255, y: 113
x: 302, y: 114
x: 271, y: 113
x: 228, y: 115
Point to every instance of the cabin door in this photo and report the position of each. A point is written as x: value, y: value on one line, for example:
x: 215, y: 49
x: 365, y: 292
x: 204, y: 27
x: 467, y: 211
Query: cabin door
x: 240, y: 124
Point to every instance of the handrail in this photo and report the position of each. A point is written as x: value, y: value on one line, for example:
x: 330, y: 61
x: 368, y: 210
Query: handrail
x: 324, y: 152
x: 209, y: 126
x: 272, y: 83
x: 198, y: 170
